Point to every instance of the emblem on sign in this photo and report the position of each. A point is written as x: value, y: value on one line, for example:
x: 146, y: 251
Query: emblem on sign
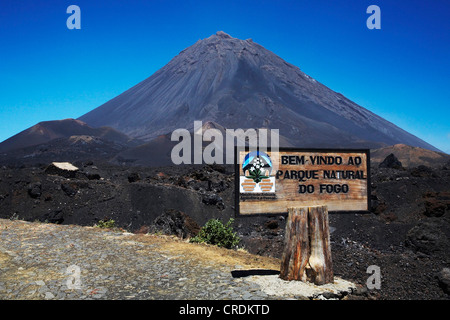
x: 257, y: 169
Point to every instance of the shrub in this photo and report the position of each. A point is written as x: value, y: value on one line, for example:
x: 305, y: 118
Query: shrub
x: 214, y: 232
x: 106, y: 224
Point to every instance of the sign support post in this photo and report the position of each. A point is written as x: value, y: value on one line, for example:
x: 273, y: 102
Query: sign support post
x: 307, y: 252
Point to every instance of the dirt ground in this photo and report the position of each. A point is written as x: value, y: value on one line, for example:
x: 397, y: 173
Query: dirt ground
x: 205, y: 252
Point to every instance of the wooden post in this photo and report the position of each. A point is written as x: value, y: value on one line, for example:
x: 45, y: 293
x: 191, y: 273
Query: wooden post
x: 307, y: 253
x: 296, y: 245
x: 321, y: 267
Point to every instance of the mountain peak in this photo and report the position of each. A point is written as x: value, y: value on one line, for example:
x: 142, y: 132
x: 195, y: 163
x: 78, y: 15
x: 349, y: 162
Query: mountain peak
x: 223, y: 35
x: 239, y: 84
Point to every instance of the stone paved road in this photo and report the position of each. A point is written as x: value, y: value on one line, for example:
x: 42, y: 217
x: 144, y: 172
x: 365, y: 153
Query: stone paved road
x: 48, y: 261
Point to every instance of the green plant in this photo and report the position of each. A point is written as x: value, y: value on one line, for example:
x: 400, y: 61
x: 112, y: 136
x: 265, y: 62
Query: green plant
x: 106, y: 224
x: 216, y: 233
x: 255, y: 171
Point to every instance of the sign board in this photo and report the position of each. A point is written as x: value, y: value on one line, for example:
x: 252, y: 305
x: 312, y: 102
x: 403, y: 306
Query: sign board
x: 270, y: 182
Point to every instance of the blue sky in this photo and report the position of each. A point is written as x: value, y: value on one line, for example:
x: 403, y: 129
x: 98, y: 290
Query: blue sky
x: 401, y: 72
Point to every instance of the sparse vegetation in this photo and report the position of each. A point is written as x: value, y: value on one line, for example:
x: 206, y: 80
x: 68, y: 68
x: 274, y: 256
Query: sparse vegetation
x: 106, y: 224
x: 14, y: 216
x: 216, y: 233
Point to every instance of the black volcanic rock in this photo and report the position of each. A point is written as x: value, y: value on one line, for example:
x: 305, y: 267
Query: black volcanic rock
x: 213, y: 199
x: 92, y: 175
x: 239, y: 84
x: 63, y: 169
x: 391, y: 161
x: 430, y: 237
x: 437, y: 203
x: 133, y: 177
x: 56, y: 216
x: 444, y: 279
x: 174, y: 222
x: 35, y: 190
x: 69, y: 189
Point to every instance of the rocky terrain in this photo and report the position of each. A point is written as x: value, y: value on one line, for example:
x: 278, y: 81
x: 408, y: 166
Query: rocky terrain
x: 409, y: 156
x: 406, y: 233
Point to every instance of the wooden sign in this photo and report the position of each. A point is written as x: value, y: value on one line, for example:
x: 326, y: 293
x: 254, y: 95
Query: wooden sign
x: 270, y: 182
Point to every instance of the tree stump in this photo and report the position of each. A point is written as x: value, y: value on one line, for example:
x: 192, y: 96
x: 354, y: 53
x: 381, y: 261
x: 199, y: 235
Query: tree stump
x: 307, y: 252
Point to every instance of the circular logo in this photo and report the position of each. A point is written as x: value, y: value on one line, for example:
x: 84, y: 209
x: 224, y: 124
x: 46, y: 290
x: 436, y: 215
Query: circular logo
x: 257, y: 166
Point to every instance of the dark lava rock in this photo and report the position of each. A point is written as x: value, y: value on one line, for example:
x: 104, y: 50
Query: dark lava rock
x: 174, y: 222
x: 213, y: 199
x: 446, y: 166
x: 88, y: 163
x: 35, y: 190
x: 69, y: 189
x: 430, y: 236
x: 134, y: 177
x: 55, y: 216
x: 218, y: 168
x: 437, y: 203
x: 271, y: 224
x: 391, y: 161
x: 423, y: 172
x: 92, y: 176
x: 63, y: 169
x: 444, y: 280
x: 377, y: 206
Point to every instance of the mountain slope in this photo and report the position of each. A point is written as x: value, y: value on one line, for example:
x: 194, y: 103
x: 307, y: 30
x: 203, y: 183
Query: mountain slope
x: 46, y: 131
x: 410, y: 156
x: 239, y: 84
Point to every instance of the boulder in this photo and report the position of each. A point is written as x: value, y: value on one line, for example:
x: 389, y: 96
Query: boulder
x: 392, y: 162
x: 213, y: 199
x: 92, y: 175
x: 437, y: 203
x: 271, y: 224
x: 174, y: 222
x: 69, y: 189
x: 444, y: 280
x: 64, y: 169
x: 133, y: 177
x: 55, y: 216
x: 430, y: 236
x: 35, y: 190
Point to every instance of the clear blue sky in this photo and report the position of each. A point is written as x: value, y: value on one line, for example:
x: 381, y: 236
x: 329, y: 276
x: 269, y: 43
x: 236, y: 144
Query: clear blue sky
x: 401, y: 72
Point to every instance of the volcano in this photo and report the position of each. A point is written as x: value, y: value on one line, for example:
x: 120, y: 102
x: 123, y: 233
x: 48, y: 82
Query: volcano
x: 239, y: 84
